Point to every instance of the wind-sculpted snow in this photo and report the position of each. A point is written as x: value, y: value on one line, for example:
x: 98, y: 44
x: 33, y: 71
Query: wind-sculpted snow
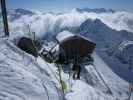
x: 43, y: 23
x: 82, y: 91
x: 24, y: 78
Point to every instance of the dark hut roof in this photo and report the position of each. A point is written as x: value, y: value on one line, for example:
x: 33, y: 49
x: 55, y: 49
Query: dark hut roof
x: 75, y: 46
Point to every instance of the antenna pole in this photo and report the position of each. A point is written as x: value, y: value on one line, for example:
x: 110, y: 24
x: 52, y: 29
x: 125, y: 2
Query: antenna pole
x: 4, y: 14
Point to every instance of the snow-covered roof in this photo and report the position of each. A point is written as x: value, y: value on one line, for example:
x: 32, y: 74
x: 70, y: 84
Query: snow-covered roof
x: 64, y: 35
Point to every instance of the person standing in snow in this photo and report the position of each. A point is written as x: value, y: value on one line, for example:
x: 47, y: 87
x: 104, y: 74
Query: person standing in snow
x: 76, y: 69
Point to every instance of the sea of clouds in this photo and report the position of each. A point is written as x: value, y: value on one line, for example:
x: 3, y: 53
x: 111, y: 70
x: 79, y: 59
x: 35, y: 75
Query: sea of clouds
x: 43, y: 23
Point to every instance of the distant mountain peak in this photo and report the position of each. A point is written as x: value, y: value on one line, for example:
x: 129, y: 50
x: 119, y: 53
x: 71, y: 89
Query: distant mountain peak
x: 100, y: 32
x: 95, y: 10
x: 23, y: 11
x: 17, y: 13
x: 96, y: 24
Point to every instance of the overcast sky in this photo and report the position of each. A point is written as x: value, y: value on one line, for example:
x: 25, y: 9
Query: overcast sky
x: 65, y: 5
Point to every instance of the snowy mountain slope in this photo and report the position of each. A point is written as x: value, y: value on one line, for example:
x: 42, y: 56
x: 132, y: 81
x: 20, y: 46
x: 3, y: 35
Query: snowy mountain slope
x: 118, y: 86
x: 124, y: 54
x: 103, y: 35
x: 96, y: 90
x: 108, y: 41
x: 82, y: 91
x: 22, y: 78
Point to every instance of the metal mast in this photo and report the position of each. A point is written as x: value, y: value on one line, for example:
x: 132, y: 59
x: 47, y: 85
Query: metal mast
x: 4, y: 14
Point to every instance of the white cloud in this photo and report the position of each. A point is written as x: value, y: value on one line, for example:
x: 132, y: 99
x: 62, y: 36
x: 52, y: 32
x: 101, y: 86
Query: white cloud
x: 119, y: 20
x: 43, y: 23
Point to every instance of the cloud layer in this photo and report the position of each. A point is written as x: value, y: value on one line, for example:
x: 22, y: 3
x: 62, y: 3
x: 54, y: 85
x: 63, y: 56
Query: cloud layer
x: 49, y: 22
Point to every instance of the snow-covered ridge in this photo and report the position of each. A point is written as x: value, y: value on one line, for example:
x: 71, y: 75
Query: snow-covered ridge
x: 22, y: 77
x: 95, y: 10
x: 124, y: 44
